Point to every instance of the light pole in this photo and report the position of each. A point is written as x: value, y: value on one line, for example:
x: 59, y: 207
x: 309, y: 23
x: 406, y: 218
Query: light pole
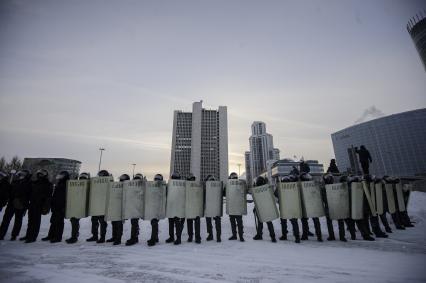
x: 134, y: 164
x: 239, y: 171
x: 100, y: 158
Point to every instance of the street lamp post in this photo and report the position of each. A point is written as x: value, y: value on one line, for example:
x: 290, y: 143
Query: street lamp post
x: 134, y: 164
x: 239, y: 171
x: 100, y: 158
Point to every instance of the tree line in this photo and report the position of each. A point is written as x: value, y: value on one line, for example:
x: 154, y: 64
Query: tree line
x: 14, y: 164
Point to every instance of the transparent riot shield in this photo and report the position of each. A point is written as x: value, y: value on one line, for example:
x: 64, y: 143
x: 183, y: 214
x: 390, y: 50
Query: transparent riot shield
x: 133, y: 199
x: 400, y: 197
x: 357, y: 201
x: 379, y: 198
x: 338, y: 200
x: 194, y: 200
x: 312, y: 205
x: 390, y: 198
x: 176, y: 199
x: 98, y: 195
x: 77, y: 199
x: 366, y: 188
x: 214, y: 199
x: 113, y: 208
x: 236, y: 197
x: 155, y: 200
x: 290, y: 200
x: 265, y: 203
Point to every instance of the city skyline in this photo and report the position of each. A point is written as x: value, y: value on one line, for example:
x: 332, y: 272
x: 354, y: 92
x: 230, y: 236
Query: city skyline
x: 78, y: 76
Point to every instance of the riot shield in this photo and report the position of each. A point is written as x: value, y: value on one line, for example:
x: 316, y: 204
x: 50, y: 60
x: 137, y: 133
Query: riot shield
x: 357, y: 201
x: 77, y: 199
x: 312, y: 205
x: 290, y: 200
x: 155, y: 200
x: 379, y: 198
x: 338, y: 200
x: 194, y: 199
x: 113, y: 208
x: 176, y: 199
x: 98, y: 194
x: 214, y: 199
x: 366, y: 188
x: 236, y: 197
x: 390, y: 198
x: 407, y: 188
x: 400, y: 197
x: 133, y: 199
x: 264, y: 201
x: 373, y: 196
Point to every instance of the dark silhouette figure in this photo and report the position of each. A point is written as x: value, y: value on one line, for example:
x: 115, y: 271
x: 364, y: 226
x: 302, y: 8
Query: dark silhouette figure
x: 332, y: 168
x: 364, y: 158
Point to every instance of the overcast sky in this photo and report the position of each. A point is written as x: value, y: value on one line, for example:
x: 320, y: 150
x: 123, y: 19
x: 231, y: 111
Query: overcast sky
x: 77, y: 75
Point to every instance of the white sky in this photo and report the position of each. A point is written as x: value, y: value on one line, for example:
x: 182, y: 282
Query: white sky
x: 77, y: 75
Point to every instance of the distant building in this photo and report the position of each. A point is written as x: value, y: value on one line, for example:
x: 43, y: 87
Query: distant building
x: 416, y: 27
x: 53, y: 165
x: 200, y: 143
x: 397, y: 145
x: 283, y: 167
x: 261, y: 150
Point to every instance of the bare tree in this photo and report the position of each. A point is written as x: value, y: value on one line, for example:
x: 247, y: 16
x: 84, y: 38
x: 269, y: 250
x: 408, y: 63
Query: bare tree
x: 2, y: 163
x: 14, y: 164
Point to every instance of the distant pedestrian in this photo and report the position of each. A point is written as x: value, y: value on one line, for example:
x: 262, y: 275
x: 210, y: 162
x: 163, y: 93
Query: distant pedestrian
x: 364, y: 158
x: 332, y: 168
x: 304, y: 167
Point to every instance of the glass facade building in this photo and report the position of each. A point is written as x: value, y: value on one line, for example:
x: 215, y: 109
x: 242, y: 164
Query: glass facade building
x: 53, y: 165
x: 397, y: 144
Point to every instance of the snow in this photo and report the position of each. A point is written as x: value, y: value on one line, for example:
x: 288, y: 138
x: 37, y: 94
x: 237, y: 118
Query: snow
x: 401, y: 258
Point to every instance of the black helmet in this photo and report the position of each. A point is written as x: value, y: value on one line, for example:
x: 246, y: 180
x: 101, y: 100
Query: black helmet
x: 175, y: 176
x: 84, y: 176
x: 23, y: 174
x: 343, y: 179
x: 138, y: 176
x: 353, y: 179
x: 377, y: 180
x: 233, y: 176
x: 158, y: 177
x: 42, y: 174
x: 305, y: 177
x: 103, y: 173
x: 285, y: 179
x: 260, y: 181
x: 210, y: 178
x: 2, y: 176
x: 368, y: 178
x: 124, y: 177
x: 63, y: 176
x: 190, y: 177
x: 328, y: 179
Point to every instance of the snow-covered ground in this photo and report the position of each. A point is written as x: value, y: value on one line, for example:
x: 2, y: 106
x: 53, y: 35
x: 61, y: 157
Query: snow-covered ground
x: 401, y: 258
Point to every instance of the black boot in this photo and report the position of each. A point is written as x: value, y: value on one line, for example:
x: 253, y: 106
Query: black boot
x: 132, y: 241
x: 71, y: 240
x: 209, y: 237
x: 330, y: 230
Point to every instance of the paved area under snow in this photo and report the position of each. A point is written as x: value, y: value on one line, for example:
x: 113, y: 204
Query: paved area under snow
x: 401, y: 258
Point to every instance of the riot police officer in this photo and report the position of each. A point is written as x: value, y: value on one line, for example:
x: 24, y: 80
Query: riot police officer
x: 134, y: 222
x: 190, y: 222
x: 154, y: 222
x: 260, y: 181
x: 17, y: 204
x: 329, y: 179
x: 305, y: 226
x: 395, y: 216
x: 99, y: 221
x: 41, y: 194
x: 236, y: 220
x: 4, y: 189
x: 175, y: 223
x: 75, y: 222
x: 117, y: 226
x: 295, y: 225
x: 369, y: 214
x: 217, y: 221
x: 58, y: 208
x: 361, y: 223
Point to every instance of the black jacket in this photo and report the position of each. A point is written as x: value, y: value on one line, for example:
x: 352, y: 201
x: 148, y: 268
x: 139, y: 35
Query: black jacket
x: 21, y: 190
x: 41, y: 192
x: 59, y: 195
x: 4, y: 192
x: 364, y: 156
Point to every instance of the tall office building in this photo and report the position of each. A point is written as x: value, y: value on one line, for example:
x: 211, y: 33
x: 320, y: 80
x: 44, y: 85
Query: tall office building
x: 249, y: 179
x: 416, y: 27
x: 200, y: 142
x: 261, y: 150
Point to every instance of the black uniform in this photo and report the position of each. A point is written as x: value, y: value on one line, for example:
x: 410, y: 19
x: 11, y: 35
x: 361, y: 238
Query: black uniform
x: 41, y: 194
x: 190, y: 223
x: 58, y: 209
x: 4, y: 190
x: 364, y: 158
x: 329, y: 179
x: 17, y: 204
x: 217, y: 221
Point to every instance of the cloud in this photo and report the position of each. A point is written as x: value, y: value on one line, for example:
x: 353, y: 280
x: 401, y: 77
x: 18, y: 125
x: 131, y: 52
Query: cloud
x: 370, y: 113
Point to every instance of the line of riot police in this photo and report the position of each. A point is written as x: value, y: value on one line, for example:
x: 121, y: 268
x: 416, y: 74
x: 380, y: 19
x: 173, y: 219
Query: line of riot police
x: 352, y: 200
